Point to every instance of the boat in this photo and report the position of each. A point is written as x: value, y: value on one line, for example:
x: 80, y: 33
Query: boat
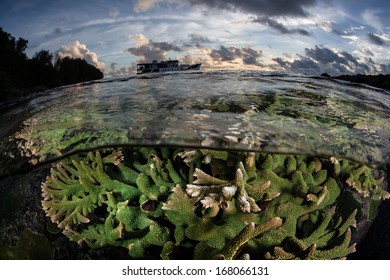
x: 165, y: 66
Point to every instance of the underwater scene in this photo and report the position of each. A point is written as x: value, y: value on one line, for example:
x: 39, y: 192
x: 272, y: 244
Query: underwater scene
x: 197, y: 165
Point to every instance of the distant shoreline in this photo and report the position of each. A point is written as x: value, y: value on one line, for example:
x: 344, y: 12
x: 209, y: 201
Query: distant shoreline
x: 379, y: 81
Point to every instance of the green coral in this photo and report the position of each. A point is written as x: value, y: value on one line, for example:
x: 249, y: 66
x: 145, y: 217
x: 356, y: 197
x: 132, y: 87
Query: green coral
x: 209, y: 204
x: 327, y: 240
x: 73, y: 191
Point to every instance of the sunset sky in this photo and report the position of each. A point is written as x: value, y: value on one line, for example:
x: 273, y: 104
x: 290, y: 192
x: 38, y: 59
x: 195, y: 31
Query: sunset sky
x: 299, y: 36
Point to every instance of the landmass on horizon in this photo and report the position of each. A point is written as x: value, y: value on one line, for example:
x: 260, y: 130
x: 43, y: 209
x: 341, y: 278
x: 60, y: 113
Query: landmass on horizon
x: 20, y: 75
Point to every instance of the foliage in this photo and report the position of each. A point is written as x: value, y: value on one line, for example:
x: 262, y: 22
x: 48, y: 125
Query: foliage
x: 210, y: 204
x: 380, y: 81
x: 75, y: 70
x: 18, y: 74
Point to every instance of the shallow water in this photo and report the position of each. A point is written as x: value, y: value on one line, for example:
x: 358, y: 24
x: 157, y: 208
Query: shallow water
x: 243, y: 110
x: 278, y: 115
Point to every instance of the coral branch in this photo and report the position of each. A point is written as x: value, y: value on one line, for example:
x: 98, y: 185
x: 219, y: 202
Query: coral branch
x: 211, y: 204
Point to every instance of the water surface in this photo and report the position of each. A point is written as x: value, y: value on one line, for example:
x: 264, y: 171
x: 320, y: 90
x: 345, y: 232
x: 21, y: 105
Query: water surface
x: 243, y: 110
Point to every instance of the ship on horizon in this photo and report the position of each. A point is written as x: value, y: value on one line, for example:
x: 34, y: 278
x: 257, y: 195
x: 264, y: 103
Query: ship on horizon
x: 165, y: 66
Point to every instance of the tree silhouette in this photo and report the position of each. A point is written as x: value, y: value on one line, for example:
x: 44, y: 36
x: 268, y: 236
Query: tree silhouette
x: 75, y: 70
x: 20, y: 75
x: 43, y: 70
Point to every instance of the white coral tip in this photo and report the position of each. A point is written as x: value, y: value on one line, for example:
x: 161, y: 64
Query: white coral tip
x: 229, y: 192
x: 334, y: 160
x: 244, y: 204
x: 209, y: 202
x: 193, y: 190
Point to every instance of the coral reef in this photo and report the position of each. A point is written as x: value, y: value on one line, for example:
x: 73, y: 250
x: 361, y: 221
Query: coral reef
x: 210, y: 204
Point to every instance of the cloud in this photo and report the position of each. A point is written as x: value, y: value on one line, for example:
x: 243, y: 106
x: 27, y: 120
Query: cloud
x: 199, y: 39
x: 375, y: 39
x: 248, y: 55
x: 145, y: 5
x: 164, y: 46
x: 296, y: 8
x: 364, y: 52
x: 78, y: 50
x: 150, y: 50
x: 123, y: 71
x: 321, y: 59
x: 322, y: 55
x: 114, y: 13
x: 280, y: 27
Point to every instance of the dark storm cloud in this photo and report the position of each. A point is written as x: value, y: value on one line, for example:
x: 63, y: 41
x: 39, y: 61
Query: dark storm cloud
x: 375, y: 39
x: 153, y: 50
x: 261, y: 7
x: 321, y: 59
x: 248, y: 55
x: 280, y: 27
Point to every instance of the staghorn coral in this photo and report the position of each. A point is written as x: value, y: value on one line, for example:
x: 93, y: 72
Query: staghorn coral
x: 73, y: 191
x: 209, y: 204
x: 326, y: 241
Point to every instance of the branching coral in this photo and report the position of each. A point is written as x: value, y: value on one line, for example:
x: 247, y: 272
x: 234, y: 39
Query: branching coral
x: 326, y: 241
x: 211, y: 204
x: 73, y: 191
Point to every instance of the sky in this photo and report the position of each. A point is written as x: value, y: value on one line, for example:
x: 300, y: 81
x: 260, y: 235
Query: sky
x: 299, y: 36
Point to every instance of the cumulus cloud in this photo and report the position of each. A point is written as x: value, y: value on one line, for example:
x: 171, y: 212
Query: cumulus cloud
x: 321, y: 59
x: 150, y: 50
x: 280, y: 27
x: 123, y: 71
x: 248, y: 55
x: 78, y: 50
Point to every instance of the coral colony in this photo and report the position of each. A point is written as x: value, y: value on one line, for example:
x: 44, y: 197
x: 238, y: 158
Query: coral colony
x: 210, y: 204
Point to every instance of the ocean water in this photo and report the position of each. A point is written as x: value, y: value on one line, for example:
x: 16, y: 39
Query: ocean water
x: 231, y: 111
x: 244, y: 110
